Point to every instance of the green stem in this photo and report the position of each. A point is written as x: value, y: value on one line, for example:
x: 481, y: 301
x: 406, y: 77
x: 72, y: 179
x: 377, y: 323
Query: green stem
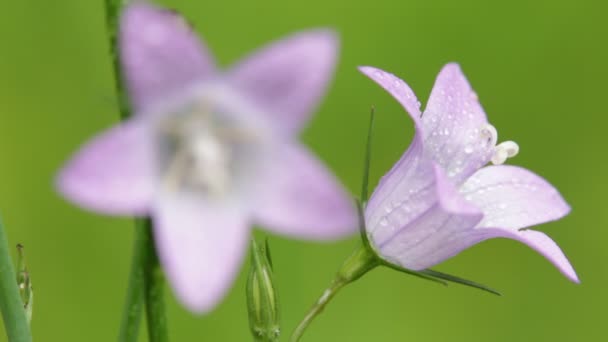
x: 134, y: 301
x: 138, y: 278
x: 15, y: 321
x: 360, y: 262
x: 154, y: 293
x: 112, y: 9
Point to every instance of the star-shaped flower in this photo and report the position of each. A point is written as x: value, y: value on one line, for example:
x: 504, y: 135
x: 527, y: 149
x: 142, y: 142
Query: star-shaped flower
x: 440, y: 199
x: 208, y: 153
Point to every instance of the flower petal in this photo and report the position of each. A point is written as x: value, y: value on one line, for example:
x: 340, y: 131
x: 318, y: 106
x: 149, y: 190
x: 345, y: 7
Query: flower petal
x: 287, y: 78
x: 298, y: 196
x: 113, y: 173
x: 455, y: 126
x: 425, y: 210
x: 540, y: 243
x: 160, y: 54
x: 397, y: 88
x: 512, y: 197
x: 409, y: 181
x: 201, y: 246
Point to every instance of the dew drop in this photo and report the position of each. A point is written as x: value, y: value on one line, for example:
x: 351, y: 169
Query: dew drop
x: 468, y: 149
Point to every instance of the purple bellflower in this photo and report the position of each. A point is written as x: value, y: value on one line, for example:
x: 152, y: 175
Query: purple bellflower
x: 440, y: 198
x: 209, y: 153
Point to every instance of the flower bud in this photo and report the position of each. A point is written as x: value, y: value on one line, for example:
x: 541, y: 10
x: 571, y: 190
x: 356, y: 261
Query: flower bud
x: 261, y: 296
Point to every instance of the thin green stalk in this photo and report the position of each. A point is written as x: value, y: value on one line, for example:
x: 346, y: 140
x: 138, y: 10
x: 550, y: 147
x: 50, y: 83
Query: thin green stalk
x: 317, y: 308
x: 112, y: 10
x: 134, y: 301
x: 358, y: 263
x: 15, y: 321
x: 154, y: 292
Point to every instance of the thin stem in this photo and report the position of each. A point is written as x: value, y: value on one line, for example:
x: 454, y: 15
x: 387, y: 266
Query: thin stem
x: 112, y: 9
x: 361, y: 261
x: 134, y: 301
x: 154, y: 292
x: 15, y: 321
x: 317, y: 308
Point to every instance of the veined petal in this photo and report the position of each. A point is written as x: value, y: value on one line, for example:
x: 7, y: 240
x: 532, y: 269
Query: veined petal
x: 415, y: 233
x: 512, y: 197
x: 455, y: 126
x: 160, y: 54
x: 287, y: 78
x: 409, y: 181
x: 201, y: 246
x: 113, y: 173
x: 297, y: 196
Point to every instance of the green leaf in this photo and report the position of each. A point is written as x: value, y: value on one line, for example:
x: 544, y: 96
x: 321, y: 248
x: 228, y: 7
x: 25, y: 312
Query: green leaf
x: 458, y: 280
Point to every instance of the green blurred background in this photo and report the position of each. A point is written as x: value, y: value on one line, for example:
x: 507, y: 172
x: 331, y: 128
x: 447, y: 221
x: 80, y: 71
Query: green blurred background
x: 539, y: 68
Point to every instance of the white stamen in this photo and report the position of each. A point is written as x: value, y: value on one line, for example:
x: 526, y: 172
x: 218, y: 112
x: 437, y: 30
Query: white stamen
x: 503, y: 151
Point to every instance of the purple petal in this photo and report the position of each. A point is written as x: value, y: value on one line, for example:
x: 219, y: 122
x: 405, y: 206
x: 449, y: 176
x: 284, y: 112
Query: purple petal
x: 454, y: 125
x: 201, y: 246
x: 161, y: 55
x: 540, y: 243
x: 113, y: 173
x: 512, y: 197
x: 397, y: 88
x: 287, y: 78
x: 298, y: 196
x: 424, y: 213
x: 410, y: 180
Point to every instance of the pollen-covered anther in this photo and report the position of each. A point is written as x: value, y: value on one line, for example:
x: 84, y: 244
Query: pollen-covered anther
x: 503, y: 151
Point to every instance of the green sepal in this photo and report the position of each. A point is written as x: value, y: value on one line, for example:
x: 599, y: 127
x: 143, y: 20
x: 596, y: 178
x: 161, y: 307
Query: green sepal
x: 267, y: 251
x: 419, y: 274
x: 461, y: 281
x: 367, y: 159
x: 24, y: 283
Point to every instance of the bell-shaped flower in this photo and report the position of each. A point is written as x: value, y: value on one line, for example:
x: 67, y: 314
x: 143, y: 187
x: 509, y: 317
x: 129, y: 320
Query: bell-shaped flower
x: 440, y: 198
x: 208, y: 153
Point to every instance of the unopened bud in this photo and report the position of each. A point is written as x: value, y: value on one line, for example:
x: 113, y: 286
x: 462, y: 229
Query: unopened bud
x: 262, y: 301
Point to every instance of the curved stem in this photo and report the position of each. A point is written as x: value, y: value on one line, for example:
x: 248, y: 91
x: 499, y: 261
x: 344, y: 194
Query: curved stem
x: 361, y: 261
x: 15, y: 321
x: 134, y: 300
x: 317, y: 308
x: 154, y: 292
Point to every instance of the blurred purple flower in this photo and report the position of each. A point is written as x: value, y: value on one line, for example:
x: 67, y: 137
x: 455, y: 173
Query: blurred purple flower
x: 209, y: 153
x: 439, y: 199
